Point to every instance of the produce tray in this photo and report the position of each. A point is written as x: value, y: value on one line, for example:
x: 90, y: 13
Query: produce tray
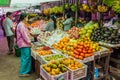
x: 45, y: 61
x: 78, y: 73
x: 33, y: 54
x: 47, y: 76
x: 109, y: 45
x: 88, y: 59
x: 104, y: 49
x: 40, y: 58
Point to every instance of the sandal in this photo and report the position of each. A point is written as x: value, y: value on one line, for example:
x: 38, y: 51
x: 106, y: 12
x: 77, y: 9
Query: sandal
x: 24, y: 75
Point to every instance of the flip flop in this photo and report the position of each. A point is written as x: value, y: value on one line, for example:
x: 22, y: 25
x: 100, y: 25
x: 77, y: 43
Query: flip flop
x: 24, y: 75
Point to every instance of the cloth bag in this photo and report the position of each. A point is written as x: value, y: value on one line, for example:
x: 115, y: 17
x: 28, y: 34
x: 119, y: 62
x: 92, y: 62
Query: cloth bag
x: 17, y: 51
x: 16, y: 48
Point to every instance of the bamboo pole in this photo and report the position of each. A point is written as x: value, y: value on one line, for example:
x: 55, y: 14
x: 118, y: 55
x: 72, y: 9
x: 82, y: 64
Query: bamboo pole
x: 76, y: 13
x: 63, y: 1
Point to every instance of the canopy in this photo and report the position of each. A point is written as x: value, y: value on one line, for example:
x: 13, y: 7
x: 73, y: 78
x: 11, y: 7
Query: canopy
x: 23, y: 4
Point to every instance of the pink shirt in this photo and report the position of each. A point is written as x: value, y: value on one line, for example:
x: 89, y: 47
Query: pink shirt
x: 23, y: 39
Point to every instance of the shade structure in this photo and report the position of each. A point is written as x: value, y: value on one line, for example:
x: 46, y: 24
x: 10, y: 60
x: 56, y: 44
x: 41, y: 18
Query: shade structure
x: 23, y: 4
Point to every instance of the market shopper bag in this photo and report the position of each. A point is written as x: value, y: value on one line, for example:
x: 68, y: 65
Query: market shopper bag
x: 16, y: 48
x: 17, y: 51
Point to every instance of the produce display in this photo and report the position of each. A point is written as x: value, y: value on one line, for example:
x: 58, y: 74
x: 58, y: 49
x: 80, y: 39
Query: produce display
x: 35, y: 31
x: 56, y: 37
x: 102, y: 8
x: 107, y: 35
x: 115, y: 4
x: 88, y: 30
x: 76, y: 48
x: 86, y: 8
x: 35, y: 24
x: 55, y: 68
x: 45, y: 50
x: 59, y: 23
x: 74, y: 32
x: 54, y: 57
x: 54, y: 10
x: 72, y: 64
x: 43, y: 37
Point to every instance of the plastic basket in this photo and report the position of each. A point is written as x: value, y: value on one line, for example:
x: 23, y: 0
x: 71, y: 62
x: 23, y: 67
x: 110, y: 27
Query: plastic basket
x: 78, y: 73
x: 45, y: 61
x: 47, y: 76
x: 41, y: 58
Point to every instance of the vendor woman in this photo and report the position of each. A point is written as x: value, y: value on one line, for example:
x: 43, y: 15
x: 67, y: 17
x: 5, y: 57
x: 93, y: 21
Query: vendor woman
x: 23, y: 42
x: 67, y: 23
x: 51, y: 25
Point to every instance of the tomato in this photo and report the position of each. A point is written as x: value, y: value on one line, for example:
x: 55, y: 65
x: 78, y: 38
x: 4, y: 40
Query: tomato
x: 84, y: 51
x: 79, y: 50
x: 77, y: 56
x: 76, y: 52
x: 87, y: 55
x: 81, y: 57
x: 82, y: 54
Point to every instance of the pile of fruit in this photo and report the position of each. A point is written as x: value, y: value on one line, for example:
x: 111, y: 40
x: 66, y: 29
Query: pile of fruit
x: 73, y: 7
x: 45, y: 50
x: 54, y: 68
x: 102, y: 8
x: 61, y: 44
x: 72, y: 64
x: 74, y: 32
x: 54, y: 57
x: 43, y: 37
x: 86, y: 8
x: 82, y: 51
x: 54, y: 10
x: 35, y: 24
x: 115, y: 4
x: 59, y: 23
x: 56, y: 37
x: 107, y: 35
x: 35, y: 31
x: 76, y: 48
x: 88, y: 30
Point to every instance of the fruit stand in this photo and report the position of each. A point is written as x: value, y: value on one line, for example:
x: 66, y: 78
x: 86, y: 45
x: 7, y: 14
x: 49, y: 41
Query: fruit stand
x: 90, y: 46
x: 72, y: 49
x: 98, y: 56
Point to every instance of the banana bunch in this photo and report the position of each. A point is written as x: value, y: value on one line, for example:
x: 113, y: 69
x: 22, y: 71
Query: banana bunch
x: 101, y: 8
x: 33, y: 15
x: 86, y: 8
x: 59, y: 24
x: 117, y: 8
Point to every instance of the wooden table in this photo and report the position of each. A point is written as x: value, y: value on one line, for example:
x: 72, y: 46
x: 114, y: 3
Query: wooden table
x: 105, y: 64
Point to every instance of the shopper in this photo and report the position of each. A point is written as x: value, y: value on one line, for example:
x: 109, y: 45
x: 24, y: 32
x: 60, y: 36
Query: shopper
x: 8, y: 26
x: 23, y: 42
x: 2, y: 19
x: 51, y: 25
x: 67, y: 23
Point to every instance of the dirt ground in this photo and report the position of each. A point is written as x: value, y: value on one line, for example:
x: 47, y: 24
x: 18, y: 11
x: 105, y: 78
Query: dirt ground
x: 9, y: 64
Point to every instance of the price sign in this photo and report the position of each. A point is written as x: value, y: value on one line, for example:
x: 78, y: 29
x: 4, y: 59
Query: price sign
x: 4, y: 3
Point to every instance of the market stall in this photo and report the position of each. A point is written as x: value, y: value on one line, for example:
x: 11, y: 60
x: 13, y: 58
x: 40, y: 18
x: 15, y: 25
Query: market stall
x: 82, y: 52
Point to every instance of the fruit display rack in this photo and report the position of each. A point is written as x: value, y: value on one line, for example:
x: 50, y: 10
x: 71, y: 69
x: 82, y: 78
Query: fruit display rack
x: 103, y: 60
x: 109, y: 45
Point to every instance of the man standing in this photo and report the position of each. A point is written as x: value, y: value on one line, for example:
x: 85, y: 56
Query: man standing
x: 8, y: 26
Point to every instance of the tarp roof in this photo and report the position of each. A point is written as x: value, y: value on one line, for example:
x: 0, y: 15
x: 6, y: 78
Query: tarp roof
x: 23, y: 4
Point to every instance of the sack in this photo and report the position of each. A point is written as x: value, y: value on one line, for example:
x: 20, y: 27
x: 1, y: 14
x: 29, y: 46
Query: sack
x: 17, y: 51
